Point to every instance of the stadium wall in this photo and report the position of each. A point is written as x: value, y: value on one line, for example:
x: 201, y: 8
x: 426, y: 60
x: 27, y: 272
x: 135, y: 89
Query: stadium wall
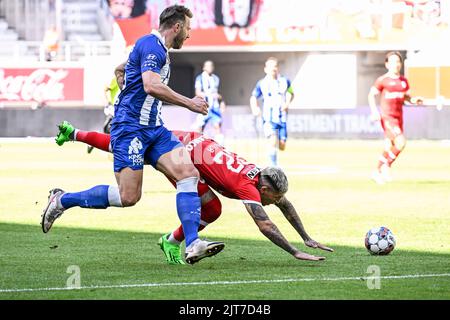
x: 320, y: 79
x: 419, y: 122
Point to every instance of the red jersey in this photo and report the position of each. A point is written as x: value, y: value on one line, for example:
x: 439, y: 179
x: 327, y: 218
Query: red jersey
x: 393, y: 91
x: 224, y: 171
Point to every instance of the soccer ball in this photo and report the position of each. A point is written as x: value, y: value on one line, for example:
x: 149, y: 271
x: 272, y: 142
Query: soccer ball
x: 380, y: 241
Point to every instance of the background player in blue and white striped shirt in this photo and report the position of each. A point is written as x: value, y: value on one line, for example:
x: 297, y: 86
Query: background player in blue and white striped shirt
x: 277, y: 94
x: 138, y: 136
x: 207, y: 86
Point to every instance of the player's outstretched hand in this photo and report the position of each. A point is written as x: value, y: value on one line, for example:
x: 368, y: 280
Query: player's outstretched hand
x: 314, y: 244
x: 304, y: 256
x: 417, y: 100
x: 375, y: 117
x: 199, y: 105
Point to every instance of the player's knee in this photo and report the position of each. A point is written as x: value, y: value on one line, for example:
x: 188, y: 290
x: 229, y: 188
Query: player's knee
x: 400, y: 143
x: 188, y: 172
x: 388, y: 144
x: 282, y: 145
x: 129, y: 199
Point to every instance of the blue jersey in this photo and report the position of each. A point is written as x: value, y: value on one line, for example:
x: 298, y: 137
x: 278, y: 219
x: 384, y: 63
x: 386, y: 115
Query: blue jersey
x: 273, y: 92
x: 134, y: 106
x: 209, y: 84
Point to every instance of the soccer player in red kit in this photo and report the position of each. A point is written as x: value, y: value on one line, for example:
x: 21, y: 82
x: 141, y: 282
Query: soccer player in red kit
x: 394, y: 91
x: 231, y: 176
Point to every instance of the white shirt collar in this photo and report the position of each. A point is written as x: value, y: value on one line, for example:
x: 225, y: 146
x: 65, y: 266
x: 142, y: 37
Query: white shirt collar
x: 160, y: 37
x: 270, y: 79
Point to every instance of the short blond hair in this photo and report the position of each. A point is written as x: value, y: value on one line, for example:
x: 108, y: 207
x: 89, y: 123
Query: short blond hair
x: 271, y: 59
x: 275, y: 178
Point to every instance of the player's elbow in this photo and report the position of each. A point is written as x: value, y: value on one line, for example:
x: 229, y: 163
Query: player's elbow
x: 150, y: 88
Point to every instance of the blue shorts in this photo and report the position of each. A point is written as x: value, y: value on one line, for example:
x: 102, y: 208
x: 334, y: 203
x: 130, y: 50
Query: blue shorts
x: 277, y: 129
x: 214, y: 116
x: 131, y: 146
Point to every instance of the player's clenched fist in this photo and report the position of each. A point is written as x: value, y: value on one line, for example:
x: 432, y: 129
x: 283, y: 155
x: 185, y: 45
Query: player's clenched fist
x: 375, y: 116
x: 199, y: 105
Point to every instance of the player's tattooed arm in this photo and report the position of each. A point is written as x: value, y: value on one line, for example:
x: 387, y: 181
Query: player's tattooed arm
x: 268, y: 228
x: 119, y: 72
x: 294, y: 219
x: 413, y: 100
x: 292, y: 216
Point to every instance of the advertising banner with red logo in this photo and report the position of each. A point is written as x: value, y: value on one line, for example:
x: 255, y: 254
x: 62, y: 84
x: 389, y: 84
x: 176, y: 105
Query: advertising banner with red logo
x: 295, y: 24
x: 41, y: 85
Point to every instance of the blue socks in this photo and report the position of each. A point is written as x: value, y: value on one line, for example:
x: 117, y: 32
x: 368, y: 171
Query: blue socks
x: 96, y: 197
x: 103, y: 196
x: 188, y: 207
x: 273, y: 153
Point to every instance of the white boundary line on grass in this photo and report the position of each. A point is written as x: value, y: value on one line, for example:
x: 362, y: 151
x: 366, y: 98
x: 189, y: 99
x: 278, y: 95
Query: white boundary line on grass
x: 208, y: 283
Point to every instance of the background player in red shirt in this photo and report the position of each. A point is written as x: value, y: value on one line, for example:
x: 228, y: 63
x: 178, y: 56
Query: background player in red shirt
x: 394, y: 91
x: 231, y: 176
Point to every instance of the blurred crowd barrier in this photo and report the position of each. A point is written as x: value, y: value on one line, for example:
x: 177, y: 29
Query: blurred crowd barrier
x: 425, y: 122
x: 296, y: 24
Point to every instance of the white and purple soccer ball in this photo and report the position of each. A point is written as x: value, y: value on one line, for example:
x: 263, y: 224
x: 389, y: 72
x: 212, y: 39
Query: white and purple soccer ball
x: 380, y: 241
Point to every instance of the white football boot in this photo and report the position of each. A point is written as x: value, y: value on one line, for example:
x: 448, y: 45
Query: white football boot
x: 53, y: 210
x: 200, y: 249
x: 377, y: 176
x: 386, y: 173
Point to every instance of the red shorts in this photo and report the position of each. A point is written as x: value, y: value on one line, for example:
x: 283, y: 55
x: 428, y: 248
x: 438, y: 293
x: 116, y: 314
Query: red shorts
x: 393, y: 127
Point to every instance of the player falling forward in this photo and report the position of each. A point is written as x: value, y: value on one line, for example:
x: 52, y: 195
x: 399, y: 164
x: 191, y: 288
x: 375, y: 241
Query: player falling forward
x: 233, y: 177
x: 394, y: 90
x: 137, y: 132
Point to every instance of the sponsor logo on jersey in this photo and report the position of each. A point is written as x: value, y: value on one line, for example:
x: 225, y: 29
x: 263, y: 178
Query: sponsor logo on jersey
x: 151, y: 61
x: 191, y: 145
x: 253, y: 173
x: 394, y: 95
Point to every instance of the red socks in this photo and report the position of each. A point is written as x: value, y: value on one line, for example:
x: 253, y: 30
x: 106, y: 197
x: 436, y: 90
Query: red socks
x: 393, y: 154
x: 209, y: 213
x: 388, y: 157
x: 96, y: 139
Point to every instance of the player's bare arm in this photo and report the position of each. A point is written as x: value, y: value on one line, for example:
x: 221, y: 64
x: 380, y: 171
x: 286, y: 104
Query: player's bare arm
x: 270, y: 230
x: 107, y: 92
x: 119, y: 72
x: 288, y: 210
x: 200, y: 93
x: 375, y: 114
x: 154, y: 87
x: 256, y: 110
x: 413, y: 100
x: 289, y: 99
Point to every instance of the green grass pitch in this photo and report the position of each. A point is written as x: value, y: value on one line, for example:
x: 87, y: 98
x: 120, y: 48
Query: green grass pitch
x: 116, y: 253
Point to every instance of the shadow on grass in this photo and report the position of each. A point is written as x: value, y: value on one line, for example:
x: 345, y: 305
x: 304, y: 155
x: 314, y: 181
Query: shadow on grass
x: 31, y: 259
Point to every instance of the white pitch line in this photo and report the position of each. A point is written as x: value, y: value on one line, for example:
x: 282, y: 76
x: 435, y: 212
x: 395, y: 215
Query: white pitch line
x: 237, y: 282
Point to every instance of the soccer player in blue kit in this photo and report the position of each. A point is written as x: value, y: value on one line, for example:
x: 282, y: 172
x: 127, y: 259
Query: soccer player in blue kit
x: 207, y: 85
x: 137, y: 133
x: 277, y: 94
